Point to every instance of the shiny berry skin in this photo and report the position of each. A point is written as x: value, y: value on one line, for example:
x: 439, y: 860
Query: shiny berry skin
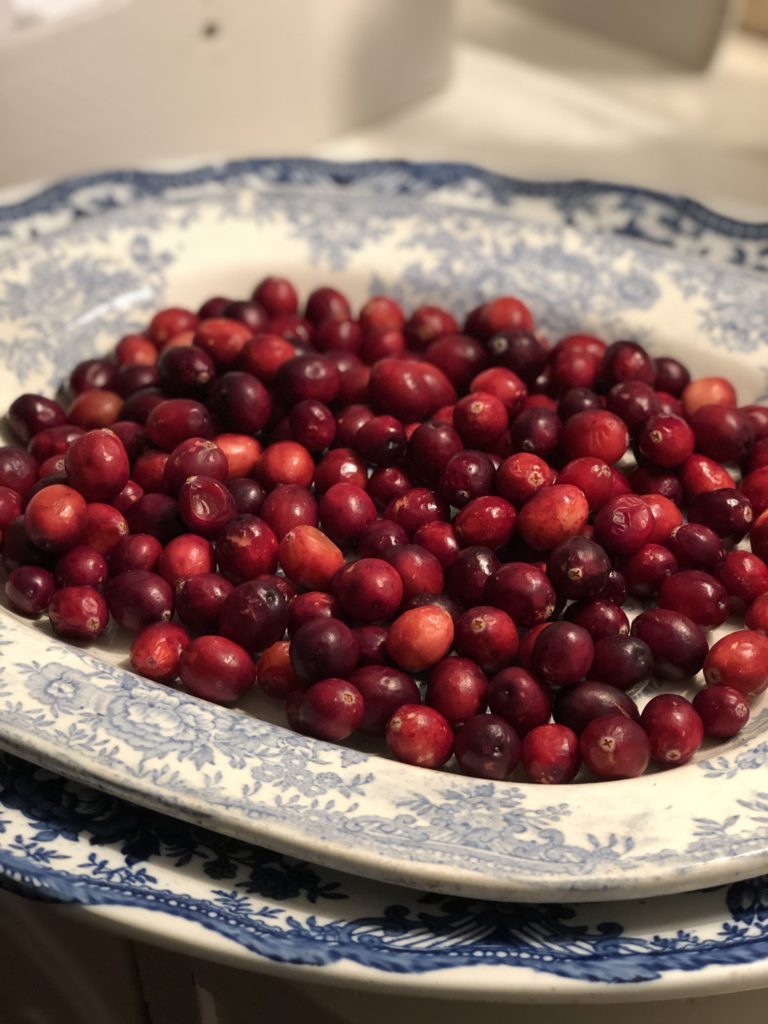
x: 466, y: 475
x: 723, y: 433
x: 383, y: 690
x: 673, y: 727
x: 427, y: 323
x: 51, y: 441
x: 274, y: 674
x: 597, y: 434
x: 276, y: 295
x: 81, y: 566
x: 30, y: 414
x: 671, y: 375
x: 369, y: 589
x: 756, y: 616
x: 185, y: 372
x: 420, y: 637
x: 576, y: 706
x: 18, y: 469
x: 696, y: 594
x: 54, y: 517
x: 536, y: 431
x: 700, y: 474
x: 745, y: 578
x: 457, y: 689
x: 97, y: 465
x: 156, y: 651
x: 467, y: 576
x: 254, y: 615
x: 666, y: 440
x: 308, y: 558
x: 480, y: 419
x: 646, y: 569
x: 247, y: 548
x: 459, y: 357
x: 562, y: 654
x: 323, y: 648
x: 523, y: 592
x: 137, y: 598
x: 372, y: 641
x: 578, y: 568
x: 29, y: 589
x: 156, y: 514
x: 206, y: 505
x: 488, y: 521
x: 614, y: 747
x: 678, y: 645
x: 419, y: 735
x: 696, y: 546
x: 241, y: 452
x: 550, y: 754
x: 723, y: 710
x: 285, y: 462
x: 552, y: 515
x: 487, y: 636
x: 197, y: 456
x: 726, y: 511
x: 171, y: 321
x: 600, y: 618
x: 176, y: 420
x: 623, y: 524
x: 223, y: 339
x: 216, y: 669
x: 288, y: 506
x: 754, y: 486
x: 184, y: 556
x: 78, y: 613
x: 345, y: 512
x: 520, y: 476
x: 430, y: 447
x: 667, y: 517
x: 135, y: 551
x: 487, y: 747
x: 590, y: 475
x: 440, y: 540
x: 634, y: 402
x: 707, y: 391
x: 624, y: 661
x: 626, y: 360
x: 519, y: 699
x: 330, y: 709
x: 502, y: 383
x: 739, y: 660
x: 199, y: 599
x: 578, y: 400
x: 420, y: 572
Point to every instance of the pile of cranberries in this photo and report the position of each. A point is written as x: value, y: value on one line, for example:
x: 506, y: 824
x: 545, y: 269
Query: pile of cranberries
x: 405, y: 527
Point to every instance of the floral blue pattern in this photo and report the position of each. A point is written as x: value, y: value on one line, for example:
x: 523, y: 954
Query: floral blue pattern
x: 591, y: 256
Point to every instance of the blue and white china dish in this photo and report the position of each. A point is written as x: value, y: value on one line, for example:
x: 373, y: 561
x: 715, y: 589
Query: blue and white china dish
x: 89, y: 260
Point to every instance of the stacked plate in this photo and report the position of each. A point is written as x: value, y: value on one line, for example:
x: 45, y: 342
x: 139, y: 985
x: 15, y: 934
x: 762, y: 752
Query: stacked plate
x: 148, y: 800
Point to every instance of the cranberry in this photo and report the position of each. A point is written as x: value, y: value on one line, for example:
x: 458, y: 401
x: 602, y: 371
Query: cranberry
x: 698, y: 595
x: 54, y: 517
x: 216, y: 669
x: 754, y: 486
x: 29, y: 414
x: 345, y: 512
x: 149, y: 472
x: 614, y: 747
x: 440, y: 540
x: 51, y: 441
x: 646, y: 569
x: 426, y: 324
x: 286, y: 462
x: 535, y: 430
x: 131, y: 350
x: 78, y: 613
x: 420, y: 637
x: 700, y: 474
x: 576, y: 400
x: 576, y: 706
x: 197, y: 456
x: 274, y: 673
x: 459, y: 357
x: 29, y: 589
x: 169, y: 322
x: 722, y: 432
x: 480, y: 419
x: 516, y: 349
x: 137, y: 598
x: 223, y: 338
x: 199, y: 599
x: 409, y: 390
x: 624, y: 524
x: 308, y: 558
x: 457, y: 689
x: 553, y: 515
x: 18, y: 469
x: 254, y: 615
x: 520, y: 476
x: 487, y: 636
x: 550, y: 754
x: 137, y: 407
x: 380, y: 536
x: 276, y: 295
x: 671, y: 375
x: 661, y: 482
x: 288, y: 506
x: 135, y: 551
x: 420, y: 572
x: 156, y: 651
x: 757, y: 614
x: 673, y: 727
x: 467, y: 576
x: 430, y: 447
x: 10, y: 506
x: 386, y: 484
x: 598, y: 434
x: 696, y: 546
x: 624, y: 661
x: 246, y: 548
x: 739, y: 660
x: 81, y: 566
x: 156, y: 514
x: 707, y: 391
x: 626, y: 360
x: 666, y: 518
x: 562, y: 654
x: 330, y: 709
x: 95, y: 408
x: 206, y: 505
x: 726, y: 511
x: 744, y: 576
x: 369, y: 590
x: 758, y: 417
x: 185, y: 556
x: 488, y: 521
x: 338, y: 336
x: 679, y: 646
x: 600, y: 618
x: 523, y: 592
x: 666, y: 440
x: 323, y: 648
x: 241, y: 452
x: 176, y: 420
x: 634, y: 402
x: 578, y: 568
x: 97, y: 465
x: 592, y: 476
x: 466, y: 475
x: 312, y: 604
x: 240, y: 402
x: 419, y: 735
x: 326, y: 304
x: 487, y: 747
x: 519, y: 699
x: 264, y: 355
x: 723, y: 711
x: 185, y: 372
x: 504, y: 385
x: 135, y: 377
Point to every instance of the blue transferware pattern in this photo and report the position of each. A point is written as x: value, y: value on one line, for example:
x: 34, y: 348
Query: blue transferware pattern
x: 108, y: 249
x: 64, y: 842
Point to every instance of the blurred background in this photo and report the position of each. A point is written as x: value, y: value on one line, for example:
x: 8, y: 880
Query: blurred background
x: 669, y: 94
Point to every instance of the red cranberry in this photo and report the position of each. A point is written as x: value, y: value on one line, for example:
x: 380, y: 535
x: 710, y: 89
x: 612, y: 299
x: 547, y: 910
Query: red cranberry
x: 286, y: 462
x: 206, y: 505
x: 440, y: 540
x: 487, y: 636
x: 723, y: 433
x: 51, y: 441
x: 18, y: 549
x: 671, y: 375
x: 520, y: 476
x: 624, y: 661
x: 592, y: 476
x: 666, y: 518
x: 156, y: 651
x: 757, y: 614
x: 175, y: 420
x: 723, y: 711
x: 137, y: 407
x: 312, y: 604
x: 679, y: 646
x: 135, y: 551
x: 459, y: 357
x: 550, y: 754
x: 576, y: 706
x: 487, y: 747
x: 666, y: 440
x: 29, y: 414
x: 308, y: 377
x: 264, y: 355
x: 78, y: 613
x: 467, y: 577
x: 196, y: 456
x: 216, y: 669
x: 465, y: 476
x: 149, y: 472
x: 323, y: 648
x: 578, y: 568
x: 409, y: 390
x: 135, y: 377
x: 523, y: 592
x: 419, y: 735
x: 29, y: 589
x: 18, y: 469
x: 570, y: 369
x: 54, y: 517
x: 380, y: 536
x: 372, y: 641
x: 330, y: 709
x: 626, y: 360
x: 536, y: 431
x: 420, y: 637
x: 673, y: 727
x: 486, y: 520
x: 646, y: 569
x: 137, y: 598
x: 97, y: 465
x: 287, y: 506
x: 420, y: 571
x: 634, y: 402
x: 502, y: 383
x: 169, y: 322
x: 223, y: 338
x: 653, y: 480
x: 381, y: 311
x: 185, y: 372
x: 519, y: 699
x: 131, y: 350
x: 754, y: 486
x: 247, y: 548
x: 276, y: 295
x: 744, y: 576
x: 185, y: 556
x: 240, y: 402
x: 696, y: 546
x: 254, y: 615
x: 308, y: 558
x: 562, y: 654
x: 480, y: 419
x: 624, y: 524
x: 700, y: 474
x: 457, y: 689
x: 739, y: 660
x: 81, y: 566
x: 326, y: 303
x: 338, y: 335
x: 600, y: 618
x: 312, y: 425
x: 727, y: 512
x: 199, y: 600
x: 345, y: 512
x: 429, y: 449
x: 707, y: 391
x: 426, y: 324
x: 381, y: 441
x: 576, y: 400
x: 387, y: 483
x: 614, y: 747
x: 10, y: 506
x: 515, y: 348
x: 553, y: 515
x: 598, y: 434
x: 696, y: 594
x: 369, y: 590
x: 248, y: 494
x: 274, y: 673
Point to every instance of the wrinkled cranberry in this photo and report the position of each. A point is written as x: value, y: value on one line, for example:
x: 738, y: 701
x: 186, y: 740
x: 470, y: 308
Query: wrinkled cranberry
x: 156, y: 651
x: 78, y: 613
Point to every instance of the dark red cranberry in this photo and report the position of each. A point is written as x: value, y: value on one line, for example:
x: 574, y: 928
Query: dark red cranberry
x: 578, y: 568
x: 206, y: 505
x: 480, y: 419
x: 757, y: 614
x: 579, y: 399
x: 29, y: 589
x: 254, y: 615
x: 387, y: 483
x: 78, y: 613
x: 430, y: 448
x: 330, y: 709
x: 696, y: 594
x: 175, y: 420
x: 312, y: 604
x: 597, y: 434
x: 216, y: 669
x: 723, y: 710
x: 457, y: 689
x: 372, y: 641
x: 308, y: 377
x: 135, y: 551
x: 97, y: 465
x: 440, y: 540
x: 626, y: 360
x: 81, y: 566
x: 54, y: 517
x: 169, y: 322
x: 419, y: 735
x: 600, y: 618
x: 132, y: 436
x: 323, y: 648
x: 18, y: 469
x: 696, y: 546
x: 726, y: 511
x: 382, y: 343
x: 744, y: 576
x: 723, y: 433
x: 276, y: 295
x: 156, y: 514
x: 536, y: 431
x: 199, y: 600
x: 29, y: 414
x: 666, y: 440
x: 487, y: 747
x: 288, y: 506
x: 249, y: 495
x: 380, y: 536
x: 250, y: 314
x: 671, y: 376
x: 646, y: 569
x: 739, y: 660
x: 487, y: 636
x: 426, y: 324
x: 185, y: 556
x: 135, y: 377
x: 673, y: 727
x: 327, y: 303
x: 381, y: 441
x: 11, y: 504
x: 515, y: 349
x: 653, y: 480
x: 465, y: 476
x: 18, y: 549
x: 136, y: 598
x: 346, y: 511
x: 240, y: 402
x: 312, y: 425
x: 421, y: 573
x: 369, y: 590
x: 519, y: 699
x: 633, y: 401
x: 51, y: 441
x: 522, y: 591
x: 520, y: 476
x: 678, y: 645
x: 488, y: 520
x: 409, y: 390
x: 576, y: 706
x: 129, y: 495
x: 92, y: 373
x: 247, y: 548
x: 137, y: 407
x: 149, y: 472
x: 340, y: 464
x: 349, y: 421
x: 459, y: 357
x: 624, y: 661
x: 156, y: 651
x: 103, y: 526
x: 338, y: 335
x: 550, y: 754
x: 614, y: 747
x: 185, y: 371
x: 562, y: 654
